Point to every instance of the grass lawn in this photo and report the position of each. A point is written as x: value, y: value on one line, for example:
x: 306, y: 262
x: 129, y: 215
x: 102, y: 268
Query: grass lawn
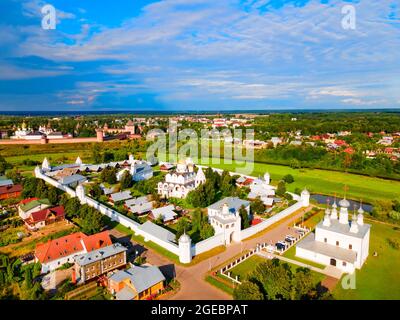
x: 291, y: 254
x: 324, y: 181
x: 246, y: 267
x: 379, y: 276
x: 220, y: 285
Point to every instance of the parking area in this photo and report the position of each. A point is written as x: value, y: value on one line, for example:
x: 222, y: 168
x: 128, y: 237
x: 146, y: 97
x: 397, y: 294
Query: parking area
x: 290, y: 239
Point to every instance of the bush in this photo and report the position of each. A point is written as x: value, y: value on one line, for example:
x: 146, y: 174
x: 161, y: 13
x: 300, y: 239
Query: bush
x: 394, y: 215
x: 394, y: 243
x: 288, y: 178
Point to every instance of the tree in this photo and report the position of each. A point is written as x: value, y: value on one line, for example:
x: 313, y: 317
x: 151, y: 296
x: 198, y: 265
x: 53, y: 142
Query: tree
x: 109, y: 175
x: 96, y: 153
x: 245, y: 217
x: 275, y: 278
x: 182, y: 226
x: 14, y: 175
x: 126, y: 180
x: 28, y: 278
x: 108, y: 157
x: 257, y: 206
x: 52, y: 195
x: 247, y: 291
x: 288, y: 178
x: 302, y: 284
x: 197, y: 218
x: 91, y: 220
x: 72, y: 208
x: 96, y: 192
x: 207, y: 231
x: 281, y: 189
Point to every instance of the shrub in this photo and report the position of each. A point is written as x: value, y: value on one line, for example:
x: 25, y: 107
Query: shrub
x: 394, y: 243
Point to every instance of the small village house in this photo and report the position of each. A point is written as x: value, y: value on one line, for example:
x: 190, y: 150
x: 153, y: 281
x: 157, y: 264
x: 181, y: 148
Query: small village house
x: 136, y: 283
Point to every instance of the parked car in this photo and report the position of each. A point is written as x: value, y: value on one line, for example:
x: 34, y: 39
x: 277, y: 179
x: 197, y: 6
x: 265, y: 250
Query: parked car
x: 290, y: 239
x: 280, y: 245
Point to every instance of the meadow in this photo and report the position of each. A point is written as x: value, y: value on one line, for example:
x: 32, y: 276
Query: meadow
x: 368, y: 189
x: 379, y: 276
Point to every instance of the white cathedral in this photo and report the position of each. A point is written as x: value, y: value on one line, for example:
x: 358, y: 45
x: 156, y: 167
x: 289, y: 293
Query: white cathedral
x: 180, y: 182
x: 337, y: 241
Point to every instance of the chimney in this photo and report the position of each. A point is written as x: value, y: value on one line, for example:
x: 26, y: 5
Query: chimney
x: 73, y: 276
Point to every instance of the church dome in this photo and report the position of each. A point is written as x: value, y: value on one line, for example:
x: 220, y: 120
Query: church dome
x: 184, y: 238
x: 344, y: 203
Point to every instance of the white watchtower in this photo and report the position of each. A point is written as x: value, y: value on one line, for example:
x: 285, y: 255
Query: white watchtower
x: 185, y: 249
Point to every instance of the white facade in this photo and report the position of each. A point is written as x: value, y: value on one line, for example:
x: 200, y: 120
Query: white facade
x: 224, y: 217
x: 261, y: 188
x: 54, y: 264
x: 140, y: 170
x: 26, y: 214
x: 337, y: 241
x: 180, y: 182
x: 185, y: 249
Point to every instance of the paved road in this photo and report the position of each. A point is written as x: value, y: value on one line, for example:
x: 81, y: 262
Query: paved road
x: 193, y: 285
x: 192, y: 281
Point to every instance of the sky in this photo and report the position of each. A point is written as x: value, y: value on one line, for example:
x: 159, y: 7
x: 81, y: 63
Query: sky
x: 199, y: 55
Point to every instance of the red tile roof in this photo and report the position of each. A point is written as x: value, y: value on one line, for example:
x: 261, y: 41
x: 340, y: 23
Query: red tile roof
x: 97, y: 241
x: 43, y: 215
x: 71, y: 244
x: 10, y: 189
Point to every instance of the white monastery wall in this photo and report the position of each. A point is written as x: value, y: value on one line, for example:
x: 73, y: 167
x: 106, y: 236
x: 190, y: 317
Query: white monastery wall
x: 208, y: 244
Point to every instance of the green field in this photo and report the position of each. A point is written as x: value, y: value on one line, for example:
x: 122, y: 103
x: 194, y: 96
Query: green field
x: 379, y: 276
x: 318, y: 181
x: 325, y: 182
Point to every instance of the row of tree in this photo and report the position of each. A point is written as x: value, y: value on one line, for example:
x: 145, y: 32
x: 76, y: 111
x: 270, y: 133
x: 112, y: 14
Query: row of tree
x: 89, y: 219
x: 274, y: 280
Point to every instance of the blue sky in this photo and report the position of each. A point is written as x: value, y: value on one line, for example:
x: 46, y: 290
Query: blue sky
x: 199, y: 55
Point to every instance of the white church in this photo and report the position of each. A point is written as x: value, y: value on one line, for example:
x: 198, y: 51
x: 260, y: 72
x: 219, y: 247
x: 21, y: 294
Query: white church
x: 337, y: 241
x: 262, y: 188
x: 180, y: 182
x: 139, y: 169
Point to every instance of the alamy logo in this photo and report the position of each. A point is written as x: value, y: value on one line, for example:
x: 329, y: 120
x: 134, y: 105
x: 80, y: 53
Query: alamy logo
x: 49, y: 20
x: 349, y: 281
x: 349, y: 21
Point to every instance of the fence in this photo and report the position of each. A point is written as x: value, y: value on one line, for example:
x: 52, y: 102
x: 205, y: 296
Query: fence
x: 246, y: 233
x: 225, y: 270
x: 208, y: 244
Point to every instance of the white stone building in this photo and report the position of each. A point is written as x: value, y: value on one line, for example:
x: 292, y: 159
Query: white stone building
x: 139, y: 169
x: 262, y: 188
x: 337, y: 241
x: 224, y: 217
x: 180, y: 182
